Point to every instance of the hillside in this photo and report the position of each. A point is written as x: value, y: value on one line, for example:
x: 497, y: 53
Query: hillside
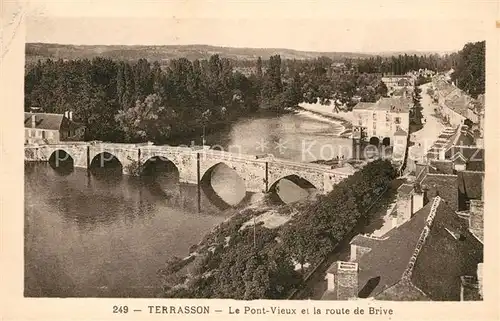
x: 36, y: 51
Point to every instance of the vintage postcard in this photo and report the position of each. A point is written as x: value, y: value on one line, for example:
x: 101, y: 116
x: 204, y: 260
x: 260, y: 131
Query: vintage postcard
x: 259, y: 159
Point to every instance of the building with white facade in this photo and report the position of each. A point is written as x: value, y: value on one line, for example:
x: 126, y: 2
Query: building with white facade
x: 384, y: 120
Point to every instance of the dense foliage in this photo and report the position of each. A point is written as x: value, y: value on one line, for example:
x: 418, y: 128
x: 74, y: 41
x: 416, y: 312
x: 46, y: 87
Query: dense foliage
x: 228, y: 265
x: 416, y: 110
x: 469, y: 74
x: 401, y: 64
x: 122, y: 101
x: 139, y: 101
x: 136, y: 101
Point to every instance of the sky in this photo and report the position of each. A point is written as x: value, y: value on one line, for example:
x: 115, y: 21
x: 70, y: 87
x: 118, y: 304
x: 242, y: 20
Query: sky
x: 313, y: 25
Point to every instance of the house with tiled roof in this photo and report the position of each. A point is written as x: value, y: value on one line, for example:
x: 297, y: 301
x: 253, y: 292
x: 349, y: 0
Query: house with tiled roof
x: 432, y: 255
x: 384, y: 120
x: 398, y: 81
x: 47, y: 128
x: 459, y: 148
x: 404, y: 91
x: 455, y: 106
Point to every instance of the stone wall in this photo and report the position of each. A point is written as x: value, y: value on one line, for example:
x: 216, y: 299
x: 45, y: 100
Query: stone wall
x: 253, y: 170
x: 183, y: 158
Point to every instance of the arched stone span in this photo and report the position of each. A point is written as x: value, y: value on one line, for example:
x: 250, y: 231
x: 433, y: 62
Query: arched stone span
x: 158, y: 163
x: 126, y: 154
x: 277, y: 171
x: 103, y: 159
x: 61, y: 162
x: 184, y: 160
x: 386, y: 141
x: 223, y: 186
x: 78, y: 153
x: 291, y: 188
x: 253, y: 173
x: 61, y: 155
x: 296, y: 179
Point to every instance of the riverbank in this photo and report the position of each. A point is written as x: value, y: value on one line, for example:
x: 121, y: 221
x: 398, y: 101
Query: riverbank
x: 196, y: 133
x: 346, y: 119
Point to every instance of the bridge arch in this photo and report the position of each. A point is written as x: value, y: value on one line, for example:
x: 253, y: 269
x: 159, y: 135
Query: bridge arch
x: 223, y: 185
x: 62, y: 161
x: 106, y: 160
x: 291, y: 188
x: 158, y: 163
x: 294, y: 178
x: 60, y: 155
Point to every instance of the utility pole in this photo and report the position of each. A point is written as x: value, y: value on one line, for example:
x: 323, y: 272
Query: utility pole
x: 203, y: 137
x: 254, y: 238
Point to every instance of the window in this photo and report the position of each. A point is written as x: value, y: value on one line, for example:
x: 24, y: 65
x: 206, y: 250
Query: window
x: 43, y: 134
x: 38, y: 133
x: 398, y: 120
x: 374, y: 116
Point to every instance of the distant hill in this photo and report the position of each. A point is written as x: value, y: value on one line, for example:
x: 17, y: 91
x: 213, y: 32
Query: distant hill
x: 410, y: 53
x: 35, y: 51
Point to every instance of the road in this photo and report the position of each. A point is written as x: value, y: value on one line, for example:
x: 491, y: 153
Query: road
x: 424, y: 138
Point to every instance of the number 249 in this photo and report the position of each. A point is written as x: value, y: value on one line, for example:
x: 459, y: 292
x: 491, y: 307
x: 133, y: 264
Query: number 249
x: 120, y: 309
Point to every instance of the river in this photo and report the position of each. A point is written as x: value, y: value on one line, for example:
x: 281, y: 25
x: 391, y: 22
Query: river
x: 106, y: 235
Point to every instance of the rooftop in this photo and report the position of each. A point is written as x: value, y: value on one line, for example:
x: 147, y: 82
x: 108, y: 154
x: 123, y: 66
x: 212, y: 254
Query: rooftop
x: 470, y: 184
x: 405, y: 189
x: 392, y: 104
x: 44, y: 120
x: 47, y: 121
x: 396, y: 76
x: 400, y: 132
x: 388, y: 258
x: 441, y: 261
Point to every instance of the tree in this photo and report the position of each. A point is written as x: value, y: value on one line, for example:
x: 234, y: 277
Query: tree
x: 381, y: 89
x: 140, y: 123
x: 469, y: 73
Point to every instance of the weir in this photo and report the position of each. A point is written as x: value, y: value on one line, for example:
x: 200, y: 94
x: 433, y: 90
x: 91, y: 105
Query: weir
x: 259, y: 173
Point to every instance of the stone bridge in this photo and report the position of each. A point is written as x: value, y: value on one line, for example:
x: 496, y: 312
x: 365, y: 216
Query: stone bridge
x: 260, y: 173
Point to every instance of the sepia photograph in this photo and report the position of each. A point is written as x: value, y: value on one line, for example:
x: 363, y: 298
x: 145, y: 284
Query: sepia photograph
x: 280, y: 159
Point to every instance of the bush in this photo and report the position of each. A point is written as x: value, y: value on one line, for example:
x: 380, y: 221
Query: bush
x: 264, y: 270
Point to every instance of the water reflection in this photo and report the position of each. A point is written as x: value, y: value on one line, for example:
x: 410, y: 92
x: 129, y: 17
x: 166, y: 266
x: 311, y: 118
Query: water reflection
x: 292, y: 189
x: 61, y: 162
x: 91, y: 236
x: 223, y: 186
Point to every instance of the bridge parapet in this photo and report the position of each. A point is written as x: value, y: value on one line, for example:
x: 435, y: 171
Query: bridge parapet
x: 260, y: 172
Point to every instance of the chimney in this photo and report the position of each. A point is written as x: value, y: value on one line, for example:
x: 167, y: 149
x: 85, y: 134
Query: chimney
x: 346, y: 280
x: 404, y: 205
x: 442, y: 154
x: 33, y: 120
x: 480, y: 278
x: 476, y: 217
x: 330, y: 281
x: 419, y: 196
